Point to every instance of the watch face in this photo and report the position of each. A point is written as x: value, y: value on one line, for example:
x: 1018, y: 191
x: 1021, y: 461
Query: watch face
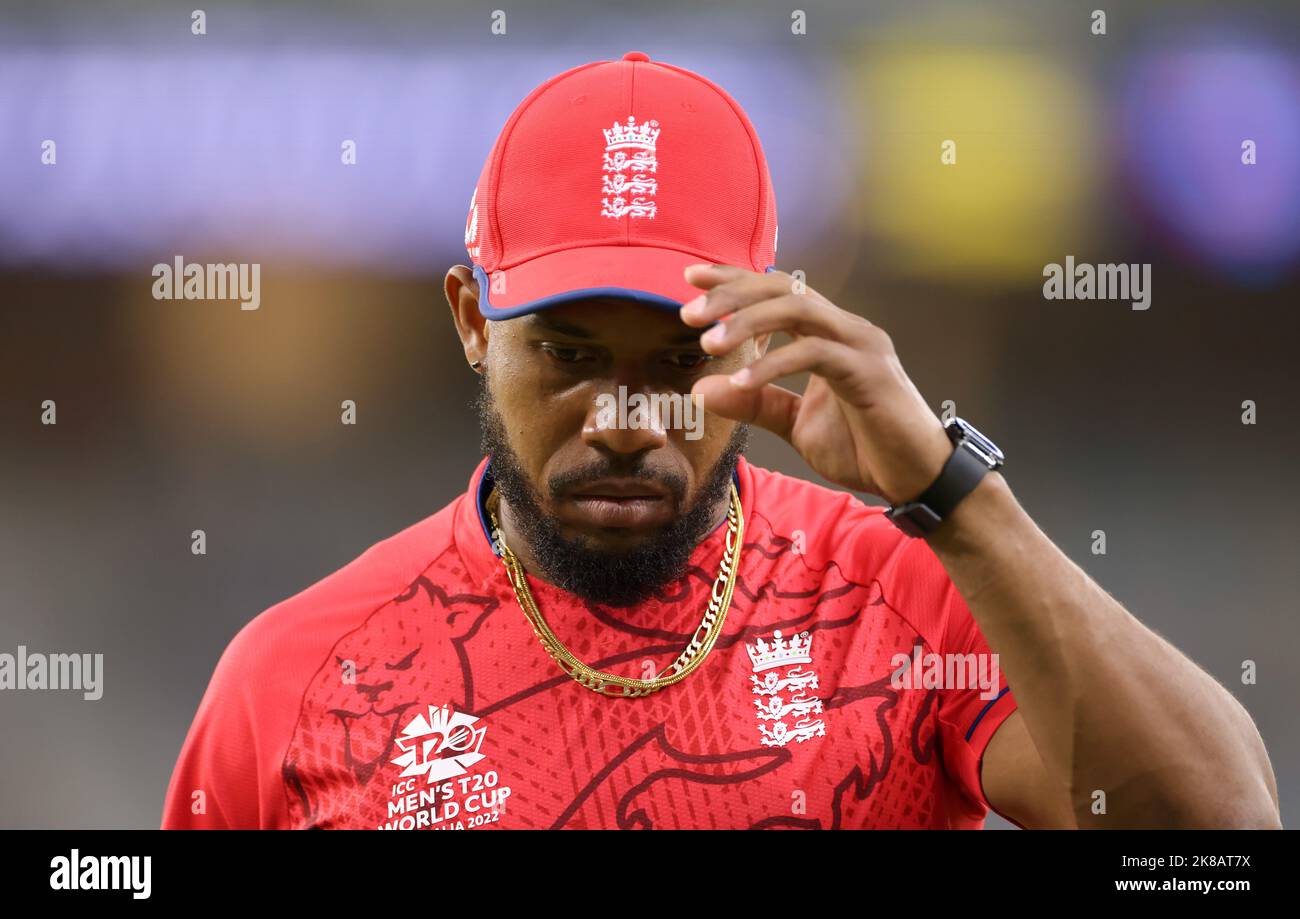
x: 984, y: 448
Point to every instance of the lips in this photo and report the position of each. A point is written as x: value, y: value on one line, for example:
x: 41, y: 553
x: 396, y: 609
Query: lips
x: 629, y: 503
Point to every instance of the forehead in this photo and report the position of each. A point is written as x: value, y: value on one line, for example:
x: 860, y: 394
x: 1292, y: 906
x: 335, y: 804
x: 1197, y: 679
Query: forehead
x: 610, y: 320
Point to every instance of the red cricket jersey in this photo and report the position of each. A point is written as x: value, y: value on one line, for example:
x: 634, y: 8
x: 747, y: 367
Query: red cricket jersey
x: 408, y: 691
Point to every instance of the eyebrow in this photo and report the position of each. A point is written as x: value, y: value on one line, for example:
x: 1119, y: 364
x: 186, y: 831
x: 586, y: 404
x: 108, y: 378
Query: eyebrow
x: 550, y: 323
x: 558, y: 325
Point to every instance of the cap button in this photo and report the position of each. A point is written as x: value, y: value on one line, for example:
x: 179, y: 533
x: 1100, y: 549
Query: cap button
x: 636, y: 56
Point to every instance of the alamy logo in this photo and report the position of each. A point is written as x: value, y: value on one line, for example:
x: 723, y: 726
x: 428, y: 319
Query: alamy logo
x: 651, y: 412
x: 36, y: 670
x: 442, y: 745
x: 184, y: 280
x: 103, y: 872
x: 628, y: 185
x: 1098, y: 282
x: 927, y: 670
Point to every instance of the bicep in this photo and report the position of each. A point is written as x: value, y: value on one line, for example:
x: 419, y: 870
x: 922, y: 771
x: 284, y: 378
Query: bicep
x: 1016, y: 783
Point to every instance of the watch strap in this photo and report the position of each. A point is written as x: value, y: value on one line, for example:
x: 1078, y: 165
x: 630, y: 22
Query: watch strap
x: 961, y: 473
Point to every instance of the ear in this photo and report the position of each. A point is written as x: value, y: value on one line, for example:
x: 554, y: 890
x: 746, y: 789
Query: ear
x: 461, y: 289
x: 760, y: 344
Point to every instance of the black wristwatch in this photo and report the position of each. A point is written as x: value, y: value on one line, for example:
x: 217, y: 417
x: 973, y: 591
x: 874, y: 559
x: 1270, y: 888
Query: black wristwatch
x: 973, y: 457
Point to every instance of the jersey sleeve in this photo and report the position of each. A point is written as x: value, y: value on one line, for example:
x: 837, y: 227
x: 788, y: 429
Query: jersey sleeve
x: 969, y: 717
x: 972, y: 706
x: 218, y: 782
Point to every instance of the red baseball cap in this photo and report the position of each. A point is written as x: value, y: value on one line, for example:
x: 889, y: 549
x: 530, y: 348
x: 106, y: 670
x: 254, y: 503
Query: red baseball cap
x: 611, y: 178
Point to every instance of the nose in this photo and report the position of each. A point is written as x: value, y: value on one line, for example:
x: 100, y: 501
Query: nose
x: 624, y: 422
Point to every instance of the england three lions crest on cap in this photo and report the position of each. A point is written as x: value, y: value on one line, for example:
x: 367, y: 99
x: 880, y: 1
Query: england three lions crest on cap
x: 629, y: 158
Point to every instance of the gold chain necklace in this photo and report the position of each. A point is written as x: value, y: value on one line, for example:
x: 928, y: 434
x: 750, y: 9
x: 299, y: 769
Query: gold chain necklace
x: 610, y: 684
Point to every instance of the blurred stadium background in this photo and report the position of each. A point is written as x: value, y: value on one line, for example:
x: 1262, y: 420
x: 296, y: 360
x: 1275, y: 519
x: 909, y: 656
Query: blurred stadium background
x: 175, y: 416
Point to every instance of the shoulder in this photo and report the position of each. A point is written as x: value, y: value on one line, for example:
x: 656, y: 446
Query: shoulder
x: 248, y: 714
x: 298, y: 632
x: 827, y: 524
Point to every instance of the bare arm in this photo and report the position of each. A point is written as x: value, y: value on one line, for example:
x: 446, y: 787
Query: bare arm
x: 1108, y: 705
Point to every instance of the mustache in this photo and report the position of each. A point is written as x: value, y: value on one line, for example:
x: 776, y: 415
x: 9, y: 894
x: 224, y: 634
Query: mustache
x: 560, y: 483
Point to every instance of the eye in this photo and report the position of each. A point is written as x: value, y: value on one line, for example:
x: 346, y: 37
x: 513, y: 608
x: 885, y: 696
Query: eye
x: 690, y: 360
x: 565, y: 354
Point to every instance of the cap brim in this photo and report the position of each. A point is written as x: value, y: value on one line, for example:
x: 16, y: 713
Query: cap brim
x: 645, y: 274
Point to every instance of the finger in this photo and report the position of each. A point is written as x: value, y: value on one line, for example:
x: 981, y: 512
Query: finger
x: 708, y: 276
x: 793, y: 314
x: 730, y: 289
x: 830, y: 359
x: 771, y: 407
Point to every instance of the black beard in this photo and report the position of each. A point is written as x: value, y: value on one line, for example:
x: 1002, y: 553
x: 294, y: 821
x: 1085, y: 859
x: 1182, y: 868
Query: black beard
x: 618, y: 579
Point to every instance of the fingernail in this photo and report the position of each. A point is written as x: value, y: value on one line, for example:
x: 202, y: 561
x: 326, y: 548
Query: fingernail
x: 694, y: 306
x: 714, y: 336
x: 740, y: 377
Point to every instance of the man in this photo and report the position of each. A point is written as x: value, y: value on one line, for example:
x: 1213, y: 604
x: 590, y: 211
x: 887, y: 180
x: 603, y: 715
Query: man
x: 622, y: 623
